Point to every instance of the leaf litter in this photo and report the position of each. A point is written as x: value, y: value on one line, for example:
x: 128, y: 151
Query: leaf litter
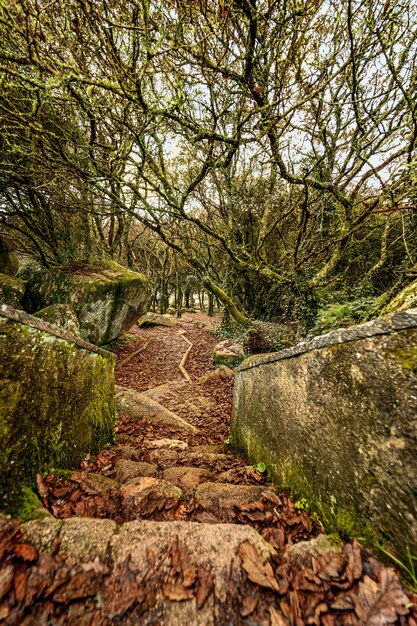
x: 348, y: 588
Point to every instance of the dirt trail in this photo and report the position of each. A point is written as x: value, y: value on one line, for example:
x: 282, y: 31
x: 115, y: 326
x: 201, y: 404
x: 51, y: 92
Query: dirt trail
x: 168, y: 526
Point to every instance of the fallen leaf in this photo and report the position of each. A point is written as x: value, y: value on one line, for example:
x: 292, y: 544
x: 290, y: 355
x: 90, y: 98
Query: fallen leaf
x: 6, y: 580
x: 379, y: 604
x: 249, y: 604
x: 276, y: 617
x: 205, y: 586
x: 176, y: 592
x: 42, y: 489
x: 26, y: 552
x: 257, y: 569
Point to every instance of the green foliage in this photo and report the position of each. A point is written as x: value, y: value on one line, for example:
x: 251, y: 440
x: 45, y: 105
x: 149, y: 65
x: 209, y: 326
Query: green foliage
x: 408, y: 569
x: 342, y: 314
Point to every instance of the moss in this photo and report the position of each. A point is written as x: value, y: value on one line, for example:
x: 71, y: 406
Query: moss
x: 29, y: 507
x: 406, y: 356
x: 336, y: 519
x: 56, y: 404
x: 11, y: 290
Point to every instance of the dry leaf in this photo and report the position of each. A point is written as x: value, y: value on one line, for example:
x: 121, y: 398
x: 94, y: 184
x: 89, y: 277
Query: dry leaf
x: 42, y: 489
x: 177, y: 592
x: 276, y: 617
x: 257, y: 570
x: 205, y: 586
x: 249, y: 604
x: 26, y: 552
x: 379, y: 604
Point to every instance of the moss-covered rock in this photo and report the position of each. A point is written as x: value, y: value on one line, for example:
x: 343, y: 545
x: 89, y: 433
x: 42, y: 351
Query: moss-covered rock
x: 228, y: 353
x: 107, y: 297
x: 12, y: 290
x: 9, y: 261
x: 405, y: 299
x: 56, y: 401
x: 62, y: 315
x: 334, y: 419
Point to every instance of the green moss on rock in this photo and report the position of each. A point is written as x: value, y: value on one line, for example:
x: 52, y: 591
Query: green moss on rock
x: 107, y: 297
x: 12, y: 290
x: 56, y: 403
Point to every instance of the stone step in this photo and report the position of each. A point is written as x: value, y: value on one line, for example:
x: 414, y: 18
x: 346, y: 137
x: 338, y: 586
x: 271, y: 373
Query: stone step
x: 192, y: 569
x: 132, y: 403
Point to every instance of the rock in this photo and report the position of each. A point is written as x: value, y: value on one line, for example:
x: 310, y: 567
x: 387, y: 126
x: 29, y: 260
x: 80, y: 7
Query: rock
x: 169, y: 444
x: 303, y: 551
x: 58, y: 403
x: 228, y: 353
x: 218, y: 497
x: 165, y: 458
x: 207, y: 449
x: 139, y: 406
x: 12, y: 290
x: 336, y: 415
x: 126, y: 470
x: 83, y: 538
x: 187, y: 478
x: 143, y: 495
x: 211, y: 551
x: 128, y: 452
x: 42, y: 533
x: 405, y: 299
x: 154, y: 319
x: 103, y: 483
x: 9, y: 261
x: 107, y: 297
x: 62, y: 315
x: 221, y: 372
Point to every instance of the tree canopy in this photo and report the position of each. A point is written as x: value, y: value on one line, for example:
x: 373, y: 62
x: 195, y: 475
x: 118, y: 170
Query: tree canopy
x: 271, y: 145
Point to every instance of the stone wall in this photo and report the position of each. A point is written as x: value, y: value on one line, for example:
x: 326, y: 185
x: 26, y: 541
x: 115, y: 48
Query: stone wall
x: 335, y: 419
x: 57, y: 400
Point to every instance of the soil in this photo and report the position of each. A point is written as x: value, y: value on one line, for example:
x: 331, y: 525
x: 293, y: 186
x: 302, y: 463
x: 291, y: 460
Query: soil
x: 345, y: 586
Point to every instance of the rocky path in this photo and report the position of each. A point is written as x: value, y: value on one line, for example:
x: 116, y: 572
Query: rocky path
x: 169, y: 527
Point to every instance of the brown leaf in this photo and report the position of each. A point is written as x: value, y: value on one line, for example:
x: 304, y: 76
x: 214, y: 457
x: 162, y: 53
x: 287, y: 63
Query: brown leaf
x: 342, y: 603
x: 379, y: 604
x: 176, y: 592
x: 42, y: 489
x: 249, y: 604
x: 89, y: 487
x: 353, y: 552
x: 4, y: 611
x: 19, y: 583
x: 26, y: 552
x: 205, y: 586
x: 328, y: 566
x: 275, y: 536
x: 257, y: 570
x: 276, y: 617
x: 6, y: 580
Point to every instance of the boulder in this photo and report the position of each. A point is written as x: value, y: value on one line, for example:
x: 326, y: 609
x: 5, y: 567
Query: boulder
x: 12, y: 290
x: 107, y: 298
x: 9, y: 261
x: 154, y: 319
x: 125, y: 469
x: 405, y: 299
x: 228, y: 353
x: 62, y: 315
x: 56, y: 400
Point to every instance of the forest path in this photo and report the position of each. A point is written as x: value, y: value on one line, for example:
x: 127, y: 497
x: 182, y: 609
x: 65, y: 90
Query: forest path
x: 168, y: 526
